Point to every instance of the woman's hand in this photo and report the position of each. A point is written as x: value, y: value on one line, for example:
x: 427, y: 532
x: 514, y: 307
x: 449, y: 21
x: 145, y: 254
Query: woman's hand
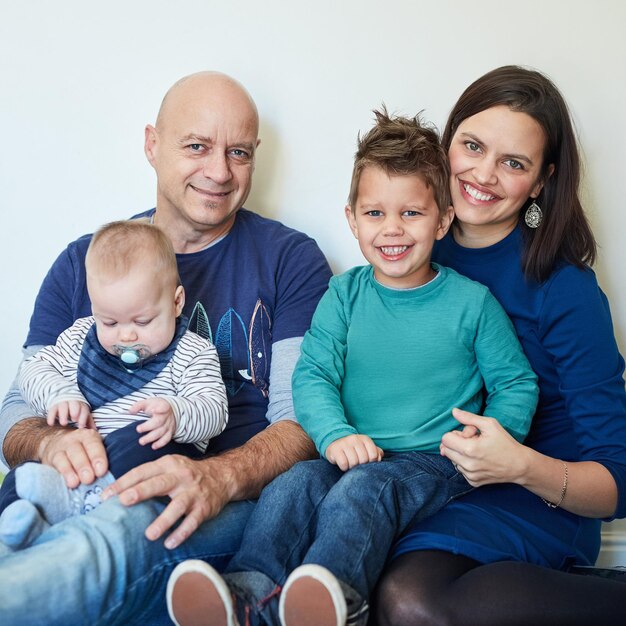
x: 483, y: 451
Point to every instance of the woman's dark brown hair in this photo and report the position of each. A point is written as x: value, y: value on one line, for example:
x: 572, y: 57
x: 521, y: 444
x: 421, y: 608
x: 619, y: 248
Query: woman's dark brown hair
x: 564, y: 233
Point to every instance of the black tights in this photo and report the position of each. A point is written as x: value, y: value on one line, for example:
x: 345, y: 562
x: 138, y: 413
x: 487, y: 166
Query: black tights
x: 431, y: 587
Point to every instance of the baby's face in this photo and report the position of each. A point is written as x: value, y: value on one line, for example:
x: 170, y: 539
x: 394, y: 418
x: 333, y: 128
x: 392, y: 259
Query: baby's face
x: 135, y: 310
x: 396, y: 220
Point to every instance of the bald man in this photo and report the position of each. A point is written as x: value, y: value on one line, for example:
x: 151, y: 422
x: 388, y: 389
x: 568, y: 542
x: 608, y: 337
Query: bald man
x: 252, y: 285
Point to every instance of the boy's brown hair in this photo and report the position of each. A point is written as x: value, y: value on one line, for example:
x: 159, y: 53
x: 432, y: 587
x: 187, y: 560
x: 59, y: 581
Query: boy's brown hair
x: 403, y: 146
x: 118, y: 246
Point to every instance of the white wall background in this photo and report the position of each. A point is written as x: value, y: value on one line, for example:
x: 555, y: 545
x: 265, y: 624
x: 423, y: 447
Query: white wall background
x: 79, y: 80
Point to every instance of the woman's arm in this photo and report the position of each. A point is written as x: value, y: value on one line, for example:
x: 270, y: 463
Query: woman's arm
x: 576, y: 349
x: 491, y: 455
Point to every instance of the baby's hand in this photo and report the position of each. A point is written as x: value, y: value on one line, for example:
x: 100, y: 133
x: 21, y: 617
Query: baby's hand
x: 71, y: 411
x: 162, y: 424
x: 353, y: 450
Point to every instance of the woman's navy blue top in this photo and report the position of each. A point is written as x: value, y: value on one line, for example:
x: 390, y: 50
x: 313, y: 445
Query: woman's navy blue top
x: 565, y: 327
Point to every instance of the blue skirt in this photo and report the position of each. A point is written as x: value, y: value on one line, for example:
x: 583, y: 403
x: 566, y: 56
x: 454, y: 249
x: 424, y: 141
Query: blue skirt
x: 506, y: 523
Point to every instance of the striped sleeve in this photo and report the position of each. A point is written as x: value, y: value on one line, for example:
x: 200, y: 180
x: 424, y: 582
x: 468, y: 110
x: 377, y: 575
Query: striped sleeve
x: 200, y: 404
x: 49, y: 377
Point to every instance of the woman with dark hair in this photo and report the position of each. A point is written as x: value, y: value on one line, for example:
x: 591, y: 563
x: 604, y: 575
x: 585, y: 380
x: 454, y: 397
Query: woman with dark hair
x: 500, y: 554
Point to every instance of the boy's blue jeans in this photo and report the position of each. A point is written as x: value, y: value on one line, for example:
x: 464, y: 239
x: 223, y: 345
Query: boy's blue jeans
x: 346, y: 522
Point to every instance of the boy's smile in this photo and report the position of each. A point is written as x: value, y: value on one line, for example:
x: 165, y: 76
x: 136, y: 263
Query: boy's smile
x: 396, y: 221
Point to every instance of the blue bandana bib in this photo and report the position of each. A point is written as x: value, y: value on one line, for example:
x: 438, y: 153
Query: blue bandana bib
x: 103, y: 378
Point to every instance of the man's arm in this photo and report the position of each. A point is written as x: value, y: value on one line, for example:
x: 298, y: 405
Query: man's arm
x: 271, y: 452
x: 77, y: 454
x: 14, y: 410
x: 199, y: 490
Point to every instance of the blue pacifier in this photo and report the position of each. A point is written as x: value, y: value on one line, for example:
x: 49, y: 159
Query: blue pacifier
x: 132, y: 357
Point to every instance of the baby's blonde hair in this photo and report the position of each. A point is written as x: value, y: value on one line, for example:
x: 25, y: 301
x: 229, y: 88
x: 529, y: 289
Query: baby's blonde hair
x: 118, y: 247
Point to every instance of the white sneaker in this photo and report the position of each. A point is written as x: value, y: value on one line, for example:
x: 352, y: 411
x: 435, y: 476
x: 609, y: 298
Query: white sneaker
x: 312, y: 596
x: 197, y: 595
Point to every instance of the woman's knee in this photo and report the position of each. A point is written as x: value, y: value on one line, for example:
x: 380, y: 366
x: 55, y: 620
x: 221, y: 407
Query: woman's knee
x: 418, y: 588
x: 396, y: 602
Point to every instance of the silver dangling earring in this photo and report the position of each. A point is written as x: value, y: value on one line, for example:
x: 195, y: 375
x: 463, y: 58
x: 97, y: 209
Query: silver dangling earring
x: 533, y: 215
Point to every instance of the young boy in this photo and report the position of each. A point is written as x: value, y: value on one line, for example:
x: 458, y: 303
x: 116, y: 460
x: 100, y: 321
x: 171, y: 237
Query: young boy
x: 132, y: 371
x: 393, y: 348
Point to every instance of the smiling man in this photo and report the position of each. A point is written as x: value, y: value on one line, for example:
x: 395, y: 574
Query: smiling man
x: 252, y: 285
x: 202, y: 149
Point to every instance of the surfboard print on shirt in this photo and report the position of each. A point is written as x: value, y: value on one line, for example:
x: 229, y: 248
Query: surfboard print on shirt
x: 199, y: 322
x: 259, y: 346
x: 231, y: 334
x: 239, y: 346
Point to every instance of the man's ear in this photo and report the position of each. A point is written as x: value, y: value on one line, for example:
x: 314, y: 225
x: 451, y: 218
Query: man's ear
x: 149, y: 144
x: 256, y: 145
x: 179, y: 299
x: 445, y: 221
x: 351, y: 220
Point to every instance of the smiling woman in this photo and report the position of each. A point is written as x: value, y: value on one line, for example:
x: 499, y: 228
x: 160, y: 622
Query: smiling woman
x: 496, y: 163
x: 538, y: 504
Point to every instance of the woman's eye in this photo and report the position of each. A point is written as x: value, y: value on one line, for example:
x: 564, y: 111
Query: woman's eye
x: 472, y: 146
x: 513, y: 164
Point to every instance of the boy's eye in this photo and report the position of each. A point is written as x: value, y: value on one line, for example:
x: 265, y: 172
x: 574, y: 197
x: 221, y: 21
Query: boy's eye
x: 142, y: 322
x: 411, y: 213
x: 374, y: 213
x: 110, y: 324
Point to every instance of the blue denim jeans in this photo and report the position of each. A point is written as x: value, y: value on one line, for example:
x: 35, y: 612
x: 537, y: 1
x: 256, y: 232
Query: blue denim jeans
x: 99, y: 568
x: 347, y: 522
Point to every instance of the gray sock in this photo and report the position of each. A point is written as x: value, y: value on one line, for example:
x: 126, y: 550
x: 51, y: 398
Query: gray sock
x: 45, y: 487
x: 20, y: 524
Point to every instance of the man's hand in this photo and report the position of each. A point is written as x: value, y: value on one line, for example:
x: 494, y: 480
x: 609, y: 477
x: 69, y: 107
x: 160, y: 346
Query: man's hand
x: 353, y: 450
x: 162, y: 423
x: 71, y: 411
x: 198, y: 491
x: 78, y: 454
